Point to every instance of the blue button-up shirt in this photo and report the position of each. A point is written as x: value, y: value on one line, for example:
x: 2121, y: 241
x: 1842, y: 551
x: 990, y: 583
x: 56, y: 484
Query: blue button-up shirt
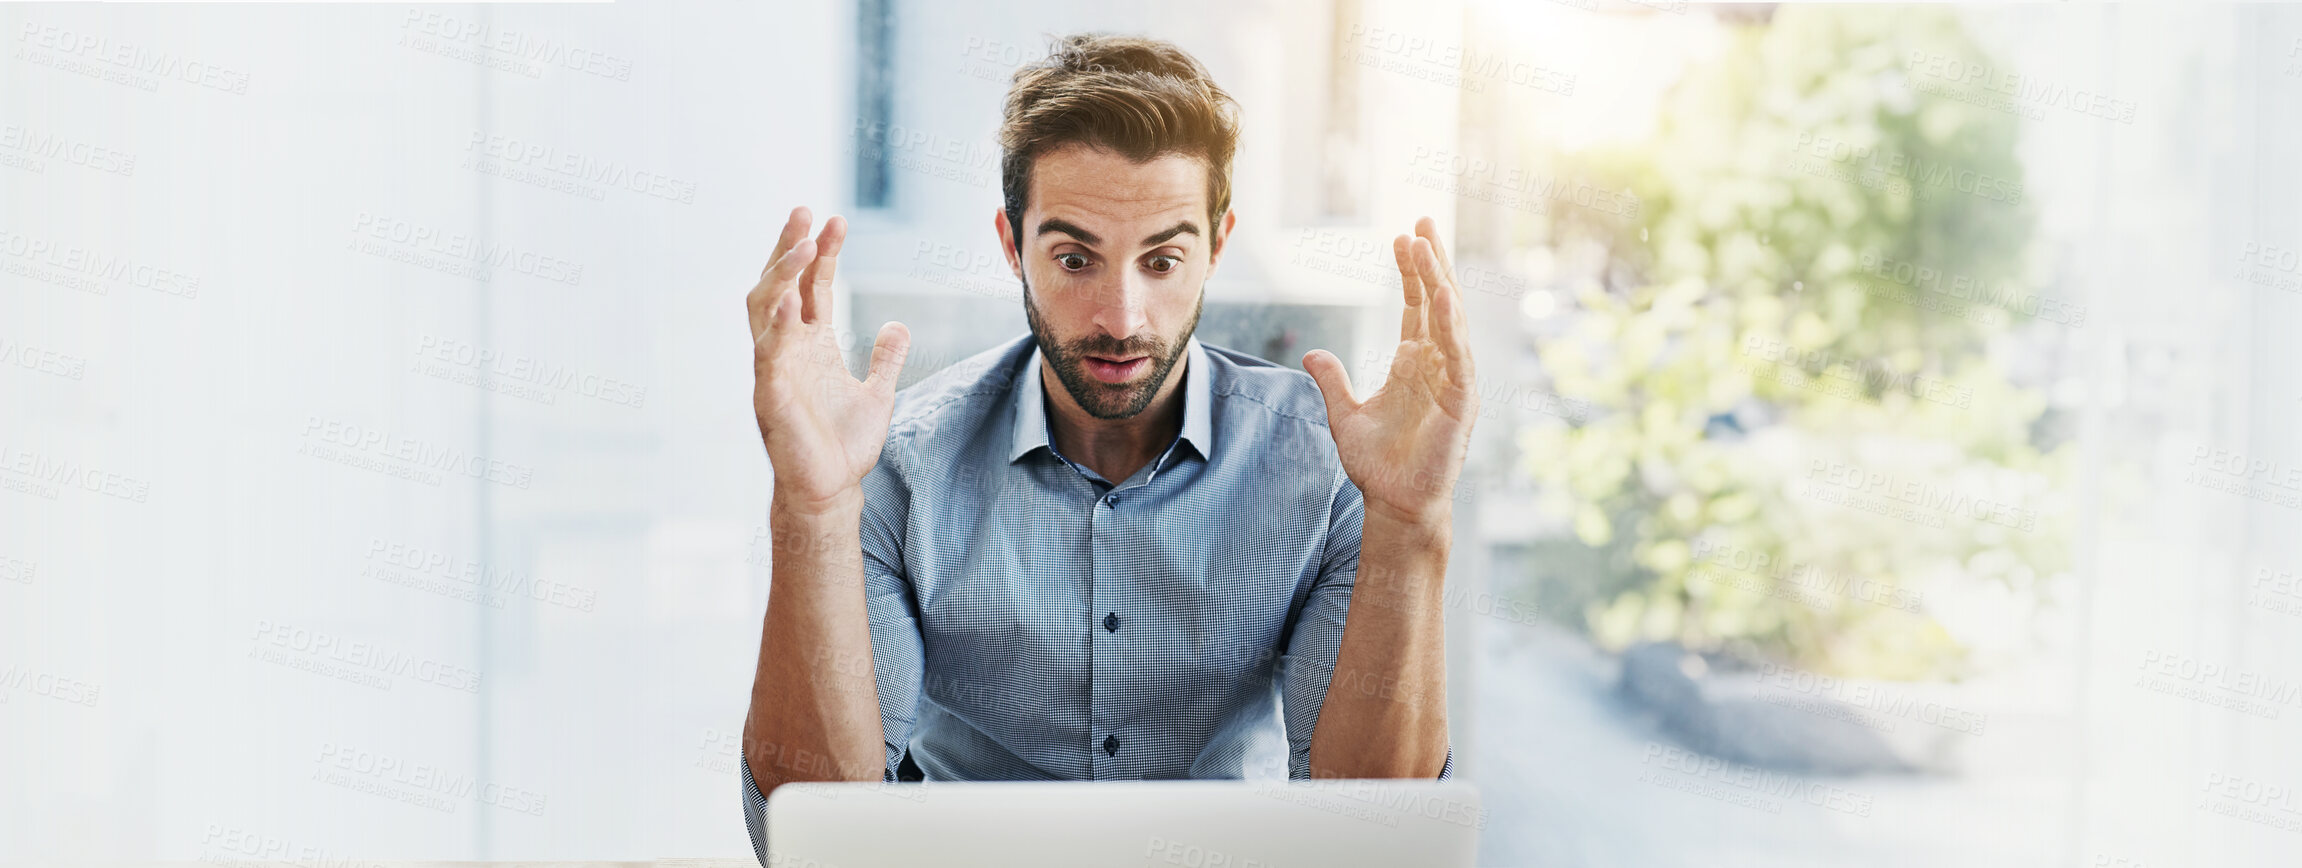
x: 1031, y: 620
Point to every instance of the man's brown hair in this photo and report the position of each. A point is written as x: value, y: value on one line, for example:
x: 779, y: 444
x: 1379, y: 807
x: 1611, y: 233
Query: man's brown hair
x: 1140, y: 97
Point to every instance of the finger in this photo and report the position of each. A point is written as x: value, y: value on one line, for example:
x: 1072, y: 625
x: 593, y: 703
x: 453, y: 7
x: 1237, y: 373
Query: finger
x: 1429, y: 230
x: 1334, y: 383
x: 1411, y: 285
x: 815, y: 283
x: 887, y: 354
x: 785, y: 317
x: 794, y: 229
x: 1448, y: 328
x: 780, y: 286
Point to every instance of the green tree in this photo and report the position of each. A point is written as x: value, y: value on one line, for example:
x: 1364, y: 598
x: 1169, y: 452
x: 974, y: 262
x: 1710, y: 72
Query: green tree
x: 1806, y: 435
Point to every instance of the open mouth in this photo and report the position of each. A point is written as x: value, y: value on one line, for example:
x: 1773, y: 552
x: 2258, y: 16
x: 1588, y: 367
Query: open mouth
x: 1112, y: 370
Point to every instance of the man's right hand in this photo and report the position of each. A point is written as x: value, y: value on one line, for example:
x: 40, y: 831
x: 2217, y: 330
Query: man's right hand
x: 823, y: 428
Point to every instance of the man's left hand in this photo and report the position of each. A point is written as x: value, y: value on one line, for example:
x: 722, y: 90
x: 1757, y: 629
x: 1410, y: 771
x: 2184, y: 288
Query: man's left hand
x: 1404, y: 445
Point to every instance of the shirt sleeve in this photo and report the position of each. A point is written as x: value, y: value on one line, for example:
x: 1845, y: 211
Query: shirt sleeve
x: 897, y: 651
x: 1309, y: 662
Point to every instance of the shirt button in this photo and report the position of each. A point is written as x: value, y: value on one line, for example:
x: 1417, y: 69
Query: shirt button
x: 1110, y: 745
x: 1113, y: 500
x: 1111, y: 622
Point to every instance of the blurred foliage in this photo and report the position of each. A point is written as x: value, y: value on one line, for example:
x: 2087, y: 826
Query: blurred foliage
x: 1805, y: 449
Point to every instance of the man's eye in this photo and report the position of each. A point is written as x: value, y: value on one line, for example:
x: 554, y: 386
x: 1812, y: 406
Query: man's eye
x: 1165, y: 264
x: 1071, y: 261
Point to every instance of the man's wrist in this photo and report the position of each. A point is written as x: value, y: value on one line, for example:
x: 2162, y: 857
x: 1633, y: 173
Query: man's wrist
x: 847, y: 503
x: 1434, y: 523
x: 824, y: 530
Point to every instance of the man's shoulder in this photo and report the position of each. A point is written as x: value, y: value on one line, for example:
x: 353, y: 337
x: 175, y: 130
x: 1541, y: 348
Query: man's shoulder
x: 1268, y: 388
x: 960, y: 396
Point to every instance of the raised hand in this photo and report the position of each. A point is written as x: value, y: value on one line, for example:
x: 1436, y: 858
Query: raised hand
x: 1404, y: 446
x: 823, y: 428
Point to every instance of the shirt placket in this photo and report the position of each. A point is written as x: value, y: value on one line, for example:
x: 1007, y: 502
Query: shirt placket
x: 1109, y: 585
x: 1103, y: 741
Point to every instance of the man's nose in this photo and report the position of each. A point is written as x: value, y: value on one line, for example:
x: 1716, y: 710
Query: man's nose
x: 1119, y: 306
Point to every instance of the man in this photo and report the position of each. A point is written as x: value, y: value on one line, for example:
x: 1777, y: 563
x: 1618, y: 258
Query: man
x: 1103, y: 551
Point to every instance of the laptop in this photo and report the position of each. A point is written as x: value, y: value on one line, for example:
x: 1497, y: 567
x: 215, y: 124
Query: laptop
x: 1154, y: 824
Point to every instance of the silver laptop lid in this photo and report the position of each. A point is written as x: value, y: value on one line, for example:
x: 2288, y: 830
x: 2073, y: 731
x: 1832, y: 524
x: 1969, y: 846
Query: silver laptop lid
x: 1192, y: 824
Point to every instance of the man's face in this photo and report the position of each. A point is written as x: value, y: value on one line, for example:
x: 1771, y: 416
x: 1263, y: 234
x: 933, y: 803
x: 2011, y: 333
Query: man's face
x: 1114, y: 258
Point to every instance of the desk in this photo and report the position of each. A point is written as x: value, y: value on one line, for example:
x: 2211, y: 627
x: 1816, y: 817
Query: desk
x: 333, y: 861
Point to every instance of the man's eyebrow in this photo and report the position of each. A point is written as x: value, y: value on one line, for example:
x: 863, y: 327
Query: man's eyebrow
x: 1068, y: 228
x: 1172, y: 231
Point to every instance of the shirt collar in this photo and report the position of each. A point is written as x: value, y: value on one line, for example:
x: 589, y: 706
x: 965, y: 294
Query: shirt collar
x: 1030, y: 409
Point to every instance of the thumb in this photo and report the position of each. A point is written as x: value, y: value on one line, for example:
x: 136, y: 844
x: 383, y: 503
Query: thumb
x: 887, y: 354
x: 1334, y: 383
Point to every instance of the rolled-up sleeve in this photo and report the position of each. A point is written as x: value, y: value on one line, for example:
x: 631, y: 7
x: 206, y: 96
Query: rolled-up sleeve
x: 754, y: 811
x: 897, y: 652
x: 1308, y: 665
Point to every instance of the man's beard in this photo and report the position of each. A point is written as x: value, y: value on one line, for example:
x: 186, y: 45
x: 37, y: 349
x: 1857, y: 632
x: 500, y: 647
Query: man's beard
x: 1107, y: 400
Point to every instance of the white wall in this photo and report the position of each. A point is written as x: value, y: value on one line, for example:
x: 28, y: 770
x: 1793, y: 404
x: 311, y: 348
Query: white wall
x: 598, y: 721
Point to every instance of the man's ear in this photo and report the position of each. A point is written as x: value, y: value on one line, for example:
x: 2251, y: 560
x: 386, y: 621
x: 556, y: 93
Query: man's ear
x: 1007, y: 242
x: 1222, y: 240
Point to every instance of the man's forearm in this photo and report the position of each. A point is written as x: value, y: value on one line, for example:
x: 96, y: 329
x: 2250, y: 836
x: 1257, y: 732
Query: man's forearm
x: 814, y: 699
x: 1385, y: 713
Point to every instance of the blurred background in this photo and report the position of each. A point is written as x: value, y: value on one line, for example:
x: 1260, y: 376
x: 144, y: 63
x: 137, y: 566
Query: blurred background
x: 1891, y: 450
